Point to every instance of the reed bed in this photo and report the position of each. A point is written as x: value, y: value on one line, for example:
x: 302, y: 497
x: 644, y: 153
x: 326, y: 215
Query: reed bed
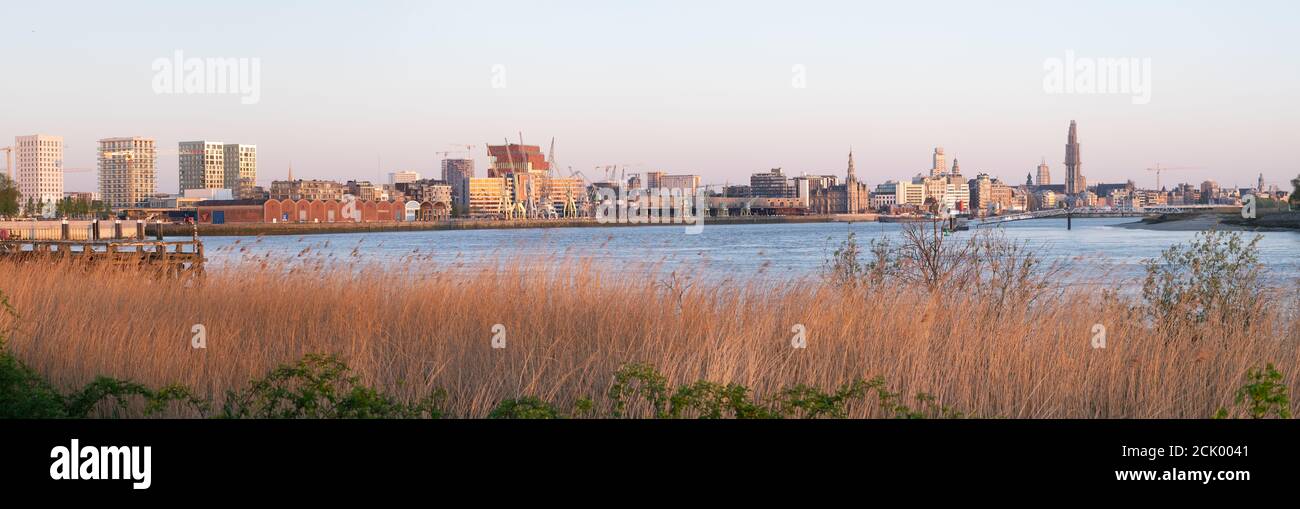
x: 415, y: 327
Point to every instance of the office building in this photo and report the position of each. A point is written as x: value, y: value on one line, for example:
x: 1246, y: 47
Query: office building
x: 772, y: 184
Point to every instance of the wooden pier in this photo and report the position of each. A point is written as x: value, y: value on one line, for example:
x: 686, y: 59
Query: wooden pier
x: 101, y: 243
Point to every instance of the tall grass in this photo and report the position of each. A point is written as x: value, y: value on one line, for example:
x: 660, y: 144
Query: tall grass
x: 415, y: 328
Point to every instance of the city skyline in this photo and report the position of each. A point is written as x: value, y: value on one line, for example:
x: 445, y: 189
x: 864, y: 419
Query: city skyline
x: 384, y: 97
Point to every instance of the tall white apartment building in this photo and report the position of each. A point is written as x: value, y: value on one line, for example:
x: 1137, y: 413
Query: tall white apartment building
x: 202, y: 165
x: 127, y: 171
x: 39, y: 168
x: 241, y: 166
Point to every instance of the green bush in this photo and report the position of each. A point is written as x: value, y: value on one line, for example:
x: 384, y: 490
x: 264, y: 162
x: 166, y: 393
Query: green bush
x: 321, y: 387
x: 1214, y: 278
x: 710, y: 400
x: 1263, y: 395
x: 525, y: 408
x: 26, y: 395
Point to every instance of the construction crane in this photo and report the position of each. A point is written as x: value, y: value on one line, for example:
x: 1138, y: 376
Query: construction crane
x: 468, y: 151
x: 1161, y: 169
x: 9, y: 160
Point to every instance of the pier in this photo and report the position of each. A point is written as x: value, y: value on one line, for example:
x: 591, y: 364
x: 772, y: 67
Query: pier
x: 118, y: 244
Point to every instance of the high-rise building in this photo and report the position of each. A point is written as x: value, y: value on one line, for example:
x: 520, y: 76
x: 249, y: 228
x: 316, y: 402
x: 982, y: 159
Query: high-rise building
x: 216, y: 165
x: 39, y: 169
x: 127, y: 171
x: 241, y: 166
x: 1044, y: 177
x: 940, y: 164
x: 1074, y: 181
x: 457, y: 172
x: 202, y: 165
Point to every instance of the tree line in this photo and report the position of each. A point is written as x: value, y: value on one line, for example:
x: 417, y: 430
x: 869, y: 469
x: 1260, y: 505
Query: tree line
x: 12, y: 204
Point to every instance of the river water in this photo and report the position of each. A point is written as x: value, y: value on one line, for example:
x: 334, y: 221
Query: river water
x: 1093, y: 246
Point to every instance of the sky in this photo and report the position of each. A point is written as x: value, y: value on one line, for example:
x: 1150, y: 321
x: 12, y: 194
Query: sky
x: 354, y: 90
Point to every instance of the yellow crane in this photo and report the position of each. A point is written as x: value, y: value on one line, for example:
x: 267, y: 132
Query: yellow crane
x: 1161, y: 169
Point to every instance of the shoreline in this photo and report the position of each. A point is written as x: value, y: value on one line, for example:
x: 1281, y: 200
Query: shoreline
x: 1196, y: 222
x: 257, y: 229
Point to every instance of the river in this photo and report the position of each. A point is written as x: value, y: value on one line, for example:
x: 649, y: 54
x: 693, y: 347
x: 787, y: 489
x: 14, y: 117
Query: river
x: 1093, y: 246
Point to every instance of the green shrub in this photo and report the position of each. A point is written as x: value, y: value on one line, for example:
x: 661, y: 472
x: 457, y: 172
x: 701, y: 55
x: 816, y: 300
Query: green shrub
x: 321, y: 387
x: 24, y: 394
x: 525, y: 408
x: 1263, y: 395
x: 711, y: 400
x: 1214, y: 278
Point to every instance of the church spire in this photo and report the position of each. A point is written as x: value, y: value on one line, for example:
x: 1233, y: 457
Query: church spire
x: 852, y: 177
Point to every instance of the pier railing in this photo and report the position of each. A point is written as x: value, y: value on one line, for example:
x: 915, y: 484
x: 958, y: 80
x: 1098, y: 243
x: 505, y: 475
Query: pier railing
x: 112, y: 242
x: 92, y: 230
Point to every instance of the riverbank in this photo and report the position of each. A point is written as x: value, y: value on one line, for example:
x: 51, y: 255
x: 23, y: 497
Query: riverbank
x: 1288, y: 221
x: 255, y: 229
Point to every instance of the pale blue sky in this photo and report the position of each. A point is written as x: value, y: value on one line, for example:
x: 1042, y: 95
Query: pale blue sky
x: 701, y: 87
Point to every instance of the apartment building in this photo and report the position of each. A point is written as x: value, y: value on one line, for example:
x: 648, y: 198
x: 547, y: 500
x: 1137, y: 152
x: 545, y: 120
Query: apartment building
x: 39, y: 168
x: 127, y: 171
x: 240, y: 170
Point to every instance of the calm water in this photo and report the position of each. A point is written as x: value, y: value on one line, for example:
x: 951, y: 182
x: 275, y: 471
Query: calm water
x: 770, y: 250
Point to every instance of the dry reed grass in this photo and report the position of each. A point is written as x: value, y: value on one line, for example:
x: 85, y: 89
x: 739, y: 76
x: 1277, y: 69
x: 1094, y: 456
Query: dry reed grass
x: 410, y: 328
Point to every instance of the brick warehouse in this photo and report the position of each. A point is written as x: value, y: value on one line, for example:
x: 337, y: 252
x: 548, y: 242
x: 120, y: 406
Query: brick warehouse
x: 314, y: 211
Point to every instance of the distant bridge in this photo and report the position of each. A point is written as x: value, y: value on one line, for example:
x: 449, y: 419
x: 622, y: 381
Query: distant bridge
x: 1096, y: 212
